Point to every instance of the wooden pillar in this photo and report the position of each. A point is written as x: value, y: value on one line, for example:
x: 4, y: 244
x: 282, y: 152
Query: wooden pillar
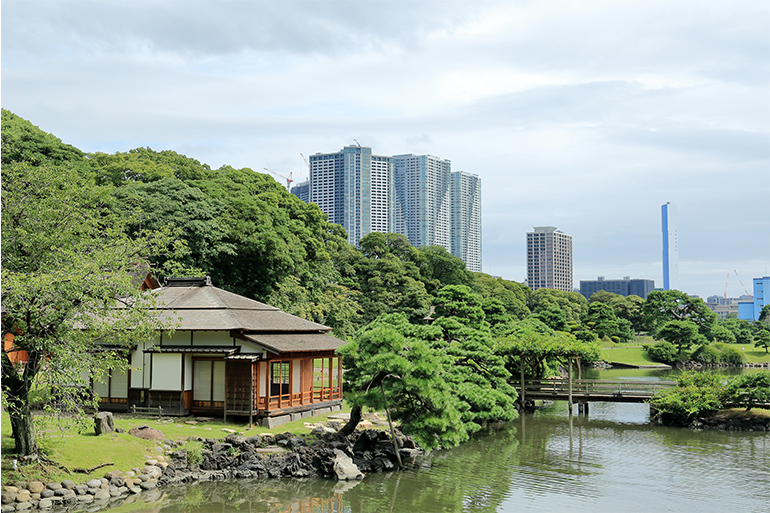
x: 291, y: 382
x: 569, y: 373
x: 251, y: 393
x: 339, y: 376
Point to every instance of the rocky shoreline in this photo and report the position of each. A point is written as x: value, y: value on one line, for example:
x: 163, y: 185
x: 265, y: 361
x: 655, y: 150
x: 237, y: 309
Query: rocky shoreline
x: 324, y: 453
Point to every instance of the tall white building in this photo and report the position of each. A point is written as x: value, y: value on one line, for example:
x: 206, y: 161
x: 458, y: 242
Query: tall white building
x: 549, y: 259
x: 670, y: 246
x: 465, y: 217
x: 423, y: 185
x: 417, y: 196
x: 355, y: 189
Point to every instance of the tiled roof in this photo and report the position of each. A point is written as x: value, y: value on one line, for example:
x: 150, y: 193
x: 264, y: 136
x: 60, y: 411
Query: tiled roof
x: 207, y: 307
x: 294, y: 342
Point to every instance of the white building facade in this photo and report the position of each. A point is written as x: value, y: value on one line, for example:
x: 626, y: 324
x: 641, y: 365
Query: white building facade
x: 466, y: 219
x: 549, y: 259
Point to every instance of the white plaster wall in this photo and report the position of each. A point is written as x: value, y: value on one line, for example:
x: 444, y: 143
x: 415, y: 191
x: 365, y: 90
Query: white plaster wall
x: 296, y: 379
x: 188, y: 372
x: 119, y: 387
x: 262, y: 378
x: 218, y: 392
x: 212, y: 338
x: 166, y: 371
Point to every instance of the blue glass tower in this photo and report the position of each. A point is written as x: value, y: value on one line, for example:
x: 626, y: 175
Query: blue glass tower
x: 670, y: 247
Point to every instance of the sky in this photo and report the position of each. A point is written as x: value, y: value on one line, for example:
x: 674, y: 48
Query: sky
x: 587, y: 116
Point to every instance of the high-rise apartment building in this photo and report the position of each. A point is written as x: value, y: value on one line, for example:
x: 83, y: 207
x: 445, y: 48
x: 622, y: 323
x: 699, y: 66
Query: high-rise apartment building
x: 422, y: 184
x: 417, y: 196
x: 465, y: 216
x: 355, y: 189
x: 670, y: 246
x: 302, y: 191
x: 549, y: 259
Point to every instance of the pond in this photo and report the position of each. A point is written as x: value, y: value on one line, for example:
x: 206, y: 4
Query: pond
x: 611, y: 460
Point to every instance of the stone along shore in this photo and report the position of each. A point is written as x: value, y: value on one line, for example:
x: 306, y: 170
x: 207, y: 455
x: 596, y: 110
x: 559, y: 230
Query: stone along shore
x: 323, y: 454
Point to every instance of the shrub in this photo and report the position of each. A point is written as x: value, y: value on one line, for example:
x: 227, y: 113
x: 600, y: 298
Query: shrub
x: 707, y: 355
x: 749, y: 389
x: 663, y: 352
x: 697, y: 393
x: 729, y: 355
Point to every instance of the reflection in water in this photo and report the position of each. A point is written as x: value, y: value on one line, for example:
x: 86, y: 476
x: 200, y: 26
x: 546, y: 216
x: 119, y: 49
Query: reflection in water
x: 611, y: 460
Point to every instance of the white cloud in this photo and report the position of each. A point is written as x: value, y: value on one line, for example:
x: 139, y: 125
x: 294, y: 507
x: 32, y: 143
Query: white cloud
x: 587, y: 116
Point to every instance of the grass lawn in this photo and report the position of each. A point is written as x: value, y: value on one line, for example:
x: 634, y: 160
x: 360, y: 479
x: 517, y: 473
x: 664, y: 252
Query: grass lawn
x: 633, y: 353
x: 65, y: 445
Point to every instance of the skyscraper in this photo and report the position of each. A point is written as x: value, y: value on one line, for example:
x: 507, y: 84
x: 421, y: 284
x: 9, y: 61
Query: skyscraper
x: 466, y: 219
x: 670, y: 247
x: 549, y: 259
x: 355, y: 189
x: 417, y: 196
x: 422, y: 184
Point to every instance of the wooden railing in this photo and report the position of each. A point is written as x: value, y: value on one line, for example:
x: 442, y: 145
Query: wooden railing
x: 593, y: 389
x: 318, y: 395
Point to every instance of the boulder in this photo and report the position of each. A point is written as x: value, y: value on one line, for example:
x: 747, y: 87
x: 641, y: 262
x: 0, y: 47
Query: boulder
x: 36, y: 486
x: 104, y: 423
x: 344, y: 468
x: 147, y: 433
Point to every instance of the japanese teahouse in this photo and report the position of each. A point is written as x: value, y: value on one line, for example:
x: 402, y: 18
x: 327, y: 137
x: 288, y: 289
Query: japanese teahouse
x: 228, y: 355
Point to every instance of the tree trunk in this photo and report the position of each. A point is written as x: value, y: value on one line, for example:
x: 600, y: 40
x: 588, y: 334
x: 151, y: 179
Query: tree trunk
x: 23, y: 430
x: 17, y: 394
x: 356, y: 414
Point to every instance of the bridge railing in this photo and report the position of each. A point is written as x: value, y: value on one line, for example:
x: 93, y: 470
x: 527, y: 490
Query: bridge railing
x: 595, y: 387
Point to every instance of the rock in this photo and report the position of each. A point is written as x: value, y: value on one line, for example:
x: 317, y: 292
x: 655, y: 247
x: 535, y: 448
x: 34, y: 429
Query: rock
x: 255, y: 440
x: 45, y: 504
x: 8, y: 508
x: 36, y: 487
x: 85, y: 498
x: 62, y: 492
x: 102, y: 495
x: 344, y: 468
x: 229, y: 430
x: 147, y: 433
x: 23, y: 496
x: 45, y: 494
x: 148, y: 485
x: 151, y: 462
x: 94, y: 483
x: 68, y: 484
x: 22, y: 506
x: 135, y: 489
x: 152, y: 471
x: 104, y: 423
x: 117, y: 481
x: 364, y: 424
x: 81, y: 489
x: 8, y: 497
x: 115, y: 493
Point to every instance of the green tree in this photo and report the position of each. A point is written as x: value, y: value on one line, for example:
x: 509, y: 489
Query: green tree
x: 662, y: 306
x: 68, y: 284
x: 601, y: 318
x: 697, y: 393
x: 553, y: 317
x: 764, y: 315
x: 24, y: 142
x: 749, y: 389
x: 625, y: 307
x: 762, y: 339
x: 392, y: 364
x: 438, y: 267
x: 740, y: 329
x: 573, y: 304
x: 682, y: 334
x: 512, y: 295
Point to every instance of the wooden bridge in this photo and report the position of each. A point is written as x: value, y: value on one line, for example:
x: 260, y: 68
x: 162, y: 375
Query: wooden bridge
x: 585, y: 390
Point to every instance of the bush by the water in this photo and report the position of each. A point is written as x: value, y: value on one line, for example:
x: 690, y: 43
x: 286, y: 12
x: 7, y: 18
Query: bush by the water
x: 718, y: 353
x: 701, y: 393
x: 749, y: 389
x: 663, y: 352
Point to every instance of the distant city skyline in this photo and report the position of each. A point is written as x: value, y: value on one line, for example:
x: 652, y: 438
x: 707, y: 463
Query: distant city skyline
x: 549, y: 259
x: 583, y: 116
x: 418, y: 196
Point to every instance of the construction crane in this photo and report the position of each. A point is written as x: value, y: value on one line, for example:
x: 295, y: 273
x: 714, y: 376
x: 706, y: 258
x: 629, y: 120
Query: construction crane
x: 726, y: 282
x: 742, y: 285
x: 358, y: 143
x: 288, y: 179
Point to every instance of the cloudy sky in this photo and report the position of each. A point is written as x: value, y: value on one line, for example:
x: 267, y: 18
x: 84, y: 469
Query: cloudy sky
x: 587, y: 116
